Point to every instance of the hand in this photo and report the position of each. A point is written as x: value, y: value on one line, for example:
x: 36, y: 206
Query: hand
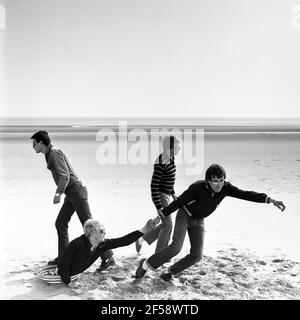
x: 158, y: 217
x: 156, y: 221
x: 56, y: 199
x: 150, y: 224
x: 279, y: 204
x: 160, y: 213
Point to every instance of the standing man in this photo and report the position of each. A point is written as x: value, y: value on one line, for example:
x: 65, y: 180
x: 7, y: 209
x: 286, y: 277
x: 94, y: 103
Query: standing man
x: 76, y: 194
x: 162, y: 186
x: 200, y: 200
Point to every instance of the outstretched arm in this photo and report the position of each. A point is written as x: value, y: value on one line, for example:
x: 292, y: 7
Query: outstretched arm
x: 235, y: 192
x: 130, y: 237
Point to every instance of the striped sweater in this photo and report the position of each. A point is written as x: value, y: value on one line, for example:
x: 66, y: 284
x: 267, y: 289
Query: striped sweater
x: 163, y: 180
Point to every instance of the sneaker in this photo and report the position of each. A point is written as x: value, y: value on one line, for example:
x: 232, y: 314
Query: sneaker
x: 166, y: 276
x: 53, y: 262
x: 140, y: 272
x: 106, y: 264
x: 138, y: 246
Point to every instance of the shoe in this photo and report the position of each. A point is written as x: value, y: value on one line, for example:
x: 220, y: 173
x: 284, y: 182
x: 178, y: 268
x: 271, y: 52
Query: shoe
x: 138, y: 246
x: 53, y: 262
x: 166, y: 276
x: 140, y: 272
x: 106, y: 264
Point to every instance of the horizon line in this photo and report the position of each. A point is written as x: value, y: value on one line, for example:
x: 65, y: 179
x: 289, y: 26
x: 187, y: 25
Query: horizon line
x: 154, y: 117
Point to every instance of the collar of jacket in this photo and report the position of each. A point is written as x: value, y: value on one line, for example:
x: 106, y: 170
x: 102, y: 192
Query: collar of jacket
x: 49, y: 148
x: 87, y: 242
x: 208, y: 187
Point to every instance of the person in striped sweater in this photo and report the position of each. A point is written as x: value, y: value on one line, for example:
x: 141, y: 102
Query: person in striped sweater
x: 162, y: 187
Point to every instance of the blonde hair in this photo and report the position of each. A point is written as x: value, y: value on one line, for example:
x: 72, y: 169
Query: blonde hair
x: 92, y: 226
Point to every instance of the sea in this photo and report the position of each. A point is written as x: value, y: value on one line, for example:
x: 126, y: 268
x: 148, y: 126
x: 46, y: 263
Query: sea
x: 93, y: 124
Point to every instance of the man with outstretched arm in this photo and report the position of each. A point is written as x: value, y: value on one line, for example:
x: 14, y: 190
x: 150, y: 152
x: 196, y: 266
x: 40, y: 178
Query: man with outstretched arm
x: 83, y: 251
x: 196, y: 203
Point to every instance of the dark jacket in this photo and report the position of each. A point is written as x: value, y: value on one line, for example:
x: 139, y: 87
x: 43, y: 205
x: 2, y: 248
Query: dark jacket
x: 78, y: 256
x: 201, y: 201
x: 61, y: 169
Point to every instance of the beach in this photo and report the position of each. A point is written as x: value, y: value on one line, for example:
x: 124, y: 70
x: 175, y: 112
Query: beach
x: 251, y: 250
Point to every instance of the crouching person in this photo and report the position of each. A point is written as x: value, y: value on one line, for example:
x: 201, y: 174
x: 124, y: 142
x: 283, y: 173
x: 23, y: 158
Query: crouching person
x: 83, y: 251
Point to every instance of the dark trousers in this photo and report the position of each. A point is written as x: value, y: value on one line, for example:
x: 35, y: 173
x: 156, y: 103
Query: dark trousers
x: 164, y: 230
x: 76, y: 200
x: 183, y: 224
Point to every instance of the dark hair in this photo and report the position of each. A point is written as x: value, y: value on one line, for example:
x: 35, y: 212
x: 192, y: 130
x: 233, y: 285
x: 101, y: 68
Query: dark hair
x: 215, y: 170
x: 42, y: 136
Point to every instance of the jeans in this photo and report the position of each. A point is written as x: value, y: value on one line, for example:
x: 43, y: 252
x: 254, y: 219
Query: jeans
x: 163, y: 231
x: 76, y: 200
x: 183, y: 224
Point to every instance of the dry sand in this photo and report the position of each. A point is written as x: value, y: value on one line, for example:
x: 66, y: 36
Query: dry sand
x: 251, y: 250
x: 232, y: 274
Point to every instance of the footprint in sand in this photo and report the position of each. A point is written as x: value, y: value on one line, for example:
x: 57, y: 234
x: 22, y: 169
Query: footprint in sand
x: 226, y: 258
x: 295, y: 271
x: 221, y: 265
x: 244, y: 284
x: 135, y: 257
x: 117, y: 278
x: 128, y: 265
x: 202, y: 273
x: 237, y: 265
x: 231, y: 273
x: 280, y: 270
x: 219, y: 284
x: 183, y: 280
x: 261, y: 262
x: 277, y: 260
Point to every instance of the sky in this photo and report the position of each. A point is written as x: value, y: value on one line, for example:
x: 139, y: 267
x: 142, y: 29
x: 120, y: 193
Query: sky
x: 158, y: 58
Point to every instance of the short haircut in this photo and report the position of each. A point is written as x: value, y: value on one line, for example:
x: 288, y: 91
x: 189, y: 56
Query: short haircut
x: 215, y: 170
x: 168, y: 142
x: 92, y: 226
x: 42, y: 136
